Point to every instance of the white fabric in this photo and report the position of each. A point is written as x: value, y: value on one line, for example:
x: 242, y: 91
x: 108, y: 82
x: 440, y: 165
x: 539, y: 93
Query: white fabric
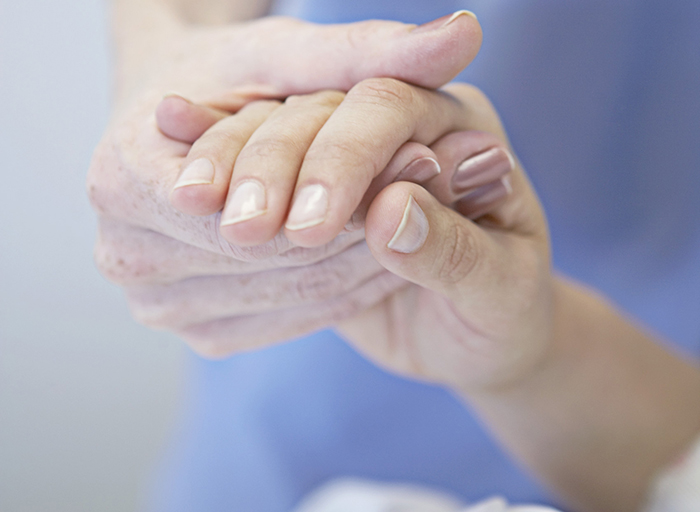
x: 678, y: 488
x: 351, y: 495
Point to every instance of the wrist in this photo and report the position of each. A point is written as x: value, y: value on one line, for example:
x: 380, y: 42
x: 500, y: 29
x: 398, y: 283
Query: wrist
x: 553, y: 347
x: 604, y: 410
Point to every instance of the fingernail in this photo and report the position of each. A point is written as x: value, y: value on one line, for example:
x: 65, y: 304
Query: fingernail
x: 309, y: 209
x: 484, y: 198
x: 412, y: 231
x: 442, y: 22
x: 198, y: 172
x: 247, y: 202
x: 419, y: 171
x: 481, y: 169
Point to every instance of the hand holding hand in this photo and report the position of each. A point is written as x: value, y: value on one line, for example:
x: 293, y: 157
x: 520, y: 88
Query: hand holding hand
x: 162, y: 256
x: 475, y: 180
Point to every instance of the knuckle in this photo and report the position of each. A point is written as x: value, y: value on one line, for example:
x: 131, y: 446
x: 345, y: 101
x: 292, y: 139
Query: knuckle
x: 281, y: 143
x: 458, y: 256
x: 387, y: 92
x: 218, y: 139
x: 334, y: 150
x: 346, y: 153
x: 150, y: 307
x: 123, y: 262
x: 123, y: 269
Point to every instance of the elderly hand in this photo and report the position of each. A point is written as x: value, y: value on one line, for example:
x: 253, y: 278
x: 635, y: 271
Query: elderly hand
x: 145, y: 243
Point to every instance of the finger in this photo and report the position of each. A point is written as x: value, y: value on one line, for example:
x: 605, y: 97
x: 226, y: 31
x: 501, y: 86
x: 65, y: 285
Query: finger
x: 473, y: 161
x: 376, y: 118
x: 138, y: 195
x: 267, y: 168
x: 202, y: 185
x: 412, y: 235
x: 132, y: 256
x: 205, y: 299
x: 223, y: 337
x: 180, y: 119
x: 476, y: 178
x: 412, y: 162
x: 429, y: 56
x: 478, y: 173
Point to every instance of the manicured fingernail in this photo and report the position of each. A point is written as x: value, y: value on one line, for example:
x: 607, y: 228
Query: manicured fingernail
x: 247, y: 202
x: 412, y: 231
x: 484, y: 198
x: 309, y: 209
x: 198, y: 172
x: 481, y: 169
x: 419, y: 171
x: 442, y: 22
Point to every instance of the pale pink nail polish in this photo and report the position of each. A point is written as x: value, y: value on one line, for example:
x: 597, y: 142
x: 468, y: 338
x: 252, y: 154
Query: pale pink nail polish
x: 309, y: 209
x: 419, y: 171
x: 480, y: 169
x: 412, y: 231
x: 247, y: 202
x: 484, y: 198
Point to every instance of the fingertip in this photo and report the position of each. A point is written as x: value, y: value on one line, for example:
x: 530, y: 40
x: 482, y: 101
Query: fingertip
x: 397, y: 210
x: 182, y: 120
x: 415, y: 237
x: 447, y: 46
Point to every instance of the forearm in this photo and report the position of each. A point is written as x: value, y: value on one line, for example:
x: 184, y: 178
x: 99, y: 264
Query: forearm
x: 604, y: 413
x: 147, y: 31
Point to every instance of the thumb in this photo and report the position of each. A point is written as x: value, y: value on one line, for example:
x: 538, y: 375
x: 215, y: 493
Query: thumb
x: 298, y: 57
x: 415, y: 237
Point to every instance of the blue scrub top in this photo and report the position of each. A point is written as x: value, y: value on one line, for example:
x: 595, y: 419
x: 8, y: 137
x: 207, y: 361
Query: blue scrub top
x: 602, y: 103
